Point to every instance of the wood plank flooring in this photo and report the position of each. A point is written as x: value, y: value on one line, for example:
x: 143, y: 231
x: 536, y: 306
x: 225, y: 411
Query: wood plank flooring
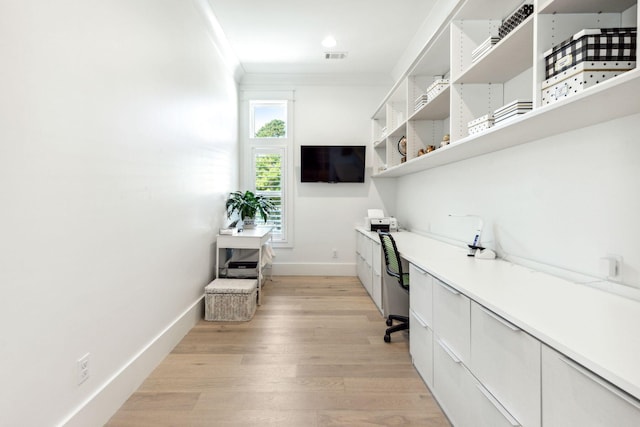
x: 313, y: 356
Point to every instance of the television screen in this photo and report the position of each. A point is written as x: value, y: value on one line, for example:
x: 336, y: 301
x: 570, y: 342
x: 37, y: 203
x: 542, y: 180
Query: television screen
x: 332, y: 163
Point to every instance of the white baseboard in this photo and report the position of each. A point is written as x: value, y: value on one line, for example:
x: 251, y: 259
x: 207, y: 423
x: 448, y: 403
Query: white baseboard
x: 101, y: 405
x: 314, y: 269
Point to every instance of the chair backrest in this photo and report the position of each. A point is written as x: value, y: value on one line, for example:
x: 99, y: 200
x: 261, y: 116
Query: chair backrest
x: 392, y: 257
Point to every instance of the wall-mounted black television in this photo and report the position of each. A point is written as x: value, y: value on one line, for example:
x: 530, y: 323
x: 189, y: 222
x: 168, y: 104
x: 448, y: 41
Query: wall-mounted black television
x: 332, y: 163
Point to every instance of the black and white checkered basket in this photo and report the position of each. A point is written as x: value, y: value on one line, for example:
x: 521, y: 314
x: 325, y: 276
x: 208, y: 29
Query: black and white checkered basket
x: 602, y: 44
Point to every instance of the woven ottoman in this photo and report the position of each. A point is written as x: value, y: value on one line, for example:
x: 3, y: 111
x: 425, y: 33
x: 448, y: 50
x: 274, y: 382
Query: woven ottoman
x: 230, y: 299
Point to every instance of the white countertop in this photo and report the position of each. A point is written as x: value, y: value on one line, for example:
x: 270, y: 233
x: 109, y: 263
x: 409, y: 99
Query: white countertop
x: 597, y: 329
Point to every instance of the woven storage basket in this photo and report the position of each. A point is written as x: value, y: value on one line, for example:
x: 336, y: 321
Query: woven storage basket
x: 230, y: 299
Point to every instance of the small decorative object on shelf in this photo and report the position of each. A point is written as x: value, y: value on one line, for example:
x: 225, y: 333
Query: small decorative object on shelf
x: 445, y: 140
x: 515, y: 19
x: 402, y: 148
x: 604, y: 45
x: 421, y: 152
x: 430, y: 148
x: 480, y: 124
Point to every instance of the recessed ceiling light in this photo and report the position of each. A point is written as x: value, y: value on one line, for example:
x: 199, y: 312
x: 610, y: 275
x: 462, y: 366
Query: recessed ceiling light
x: 329, y: 42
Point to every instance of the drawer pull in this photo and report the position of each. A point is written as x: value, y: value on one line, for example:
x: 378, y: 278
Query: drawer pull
x: 498, y: 406
x: 499, y: 319
x: 593, y: 377
x: 420, y: 320
x: 448, y: 288
x: 421, y: 271
x: 450, y: 352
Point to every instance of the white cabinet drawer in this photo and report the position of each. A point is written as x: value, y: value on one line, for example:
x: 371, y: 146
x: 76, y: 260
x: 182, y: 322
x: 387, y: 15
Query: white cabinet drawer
x: 360, y: 267
x: 368, y: 279
x: 360, y: 239
x: 376, y: 289
x: 421, y: 347
x: 487, y: 411
x: 452, y: 319
x: 368, y: 251
x: 507, y: 362
x: 452, y: 385
x: 421, y: 295
x: 574, y: 396
x: 376, y: 258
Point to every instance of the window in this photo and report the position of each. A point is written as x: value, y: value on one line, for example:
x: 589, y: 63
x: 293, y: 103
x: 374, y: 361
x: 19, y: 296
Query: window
x: 267, y: 150
x: 269, y: 174
x: 268, y: 119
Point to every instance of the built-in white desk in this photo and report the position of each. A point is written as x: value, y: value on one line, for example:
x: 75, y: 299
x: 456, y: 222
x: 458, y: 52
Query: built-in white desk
x: 598, y: 330
x: 249, y: 238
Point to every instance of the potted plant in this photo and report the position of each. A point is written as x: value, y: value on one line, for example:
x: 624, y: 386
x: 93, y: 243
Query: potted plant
x: 247, y: 205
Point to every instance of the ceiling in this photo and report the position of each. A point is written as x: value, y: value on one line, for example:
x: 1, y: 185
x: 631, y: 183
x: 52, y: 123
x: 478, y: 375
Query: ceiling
x: 284, y: 36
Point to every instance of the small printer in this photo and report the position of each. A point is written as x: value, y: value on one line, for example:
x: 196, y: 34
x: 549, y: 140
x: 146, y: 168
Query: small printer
x: 377, y: 221
x: 375, y: 224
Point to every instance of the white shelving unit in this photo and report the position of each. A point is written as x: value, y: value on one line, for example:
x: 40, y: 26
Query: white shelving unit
x: 513, y: 69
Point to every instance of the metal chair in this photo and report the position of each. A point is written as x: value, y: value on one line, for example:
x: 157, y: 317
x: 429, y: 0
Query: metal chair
x: 394, y: 268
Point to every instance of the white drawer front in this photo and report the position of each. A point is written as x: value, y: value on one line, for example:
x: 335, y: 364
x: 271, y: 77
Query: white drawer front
x: 368, y: 251
x: 360, y: 267
x: 507, y: 361
x: 368, y: 282
x: 377, y: 258
x: 452, y: 385
x: 376, y: 289
x: 452, y: 319
x: 573, y: 396
x: 360, y: 239
x: 487, y: 411
x: 421, y: 347
x: 421, y: 295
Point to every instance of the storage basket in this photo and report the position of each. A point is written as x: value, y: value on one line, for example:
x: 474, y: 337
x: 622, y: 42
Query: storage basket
x: 580, y: 77
x: 601, y: 44
x: 230, y: 299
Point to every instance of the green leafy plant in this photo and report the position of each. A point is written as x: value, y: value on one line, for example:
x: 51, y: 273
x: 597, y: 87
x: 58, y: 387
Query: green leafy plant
x: 248, y: 204
x: 274, y: 129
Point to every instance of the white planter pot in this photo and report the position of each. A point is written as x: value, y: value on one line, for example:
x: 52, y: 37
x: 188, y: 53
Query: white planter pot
x: 249, y: 222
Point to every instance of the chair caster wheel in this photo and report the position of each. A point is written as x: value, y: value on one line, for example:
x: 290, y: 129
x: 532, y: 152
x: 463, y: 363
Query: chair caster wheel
x: 387, y: 338
x: 389, y: 322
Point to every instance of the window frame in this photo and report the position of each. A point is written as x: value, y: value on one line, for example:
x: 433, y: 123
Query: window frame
x: 249, y: 143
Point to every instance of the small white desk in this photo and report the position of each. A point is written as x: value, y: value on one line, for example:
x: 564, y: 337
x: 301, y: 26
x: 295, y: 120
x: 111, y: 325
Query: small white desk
x: 252, y: 238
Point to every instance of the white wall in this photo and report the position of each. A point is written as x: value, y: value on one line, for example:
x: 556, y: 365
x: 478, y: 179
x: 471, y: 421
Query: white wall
x: 118, y: 144
x: 325, y: 214
x: 565, y: 201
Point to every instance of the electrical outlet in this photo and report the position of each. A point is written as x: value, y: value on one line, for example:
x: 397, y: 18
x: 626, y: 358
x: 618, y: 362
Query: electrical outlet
x: 611, y: 267
x: 335, y: 253
x: 83, y: 368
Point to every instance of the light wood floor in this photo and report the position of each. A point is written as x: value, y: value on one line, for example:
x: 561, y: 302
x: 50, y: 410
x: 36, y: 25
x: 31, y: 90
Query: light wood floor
x: 312, y: 356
